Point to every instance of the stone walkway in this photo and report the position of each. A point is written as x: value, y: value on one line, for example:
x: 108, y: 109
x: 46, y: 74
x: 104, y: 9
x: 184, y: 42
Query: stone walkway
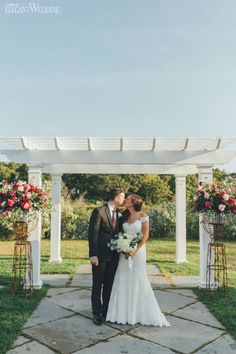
x: 62, y: 322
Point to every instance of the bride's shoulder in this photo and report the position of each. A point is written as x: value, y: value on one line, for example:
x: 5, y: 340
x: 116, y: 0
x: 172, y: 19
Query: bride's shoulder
x: 144, y: 217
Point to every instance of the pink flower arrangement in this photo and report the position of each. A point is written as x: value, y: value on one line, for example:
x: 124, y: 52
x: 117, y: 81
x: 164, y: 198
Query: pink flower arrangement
x: 215, y: 198
x: 20, y: 199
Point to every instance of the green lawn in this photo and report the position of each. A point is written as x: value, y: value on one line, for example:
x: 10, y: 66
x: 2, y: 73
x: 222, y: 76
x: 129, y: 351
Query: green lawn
x: 15, y: 311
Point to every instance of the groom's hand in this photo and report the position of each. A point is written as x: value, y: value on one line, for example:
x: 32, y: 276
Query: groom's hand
x: 94, y: 260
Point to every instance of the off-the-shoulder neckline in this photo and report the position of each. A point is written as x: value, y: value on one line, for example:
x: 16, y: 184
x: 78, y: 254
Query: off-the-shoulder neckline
x: 145, y: 216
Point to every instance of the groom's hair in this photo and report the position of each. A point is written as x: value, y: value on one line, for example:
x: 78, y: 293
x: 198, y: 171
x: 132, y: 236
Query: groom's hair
x: 114, y: 192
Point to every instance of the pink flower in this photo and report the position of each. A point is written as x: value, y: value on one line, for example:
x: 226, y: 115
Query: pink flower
x: 226, y: 196
x: 221, y: 207
x: 10, y: 202
x: 206, y: 195
x: 5, y: 213
x: 207, y: 204
x: 12, y: 194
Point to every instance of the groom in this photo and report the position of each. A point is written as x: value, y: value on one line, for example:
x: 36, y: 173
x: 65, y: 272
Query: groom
x: 103, y: 225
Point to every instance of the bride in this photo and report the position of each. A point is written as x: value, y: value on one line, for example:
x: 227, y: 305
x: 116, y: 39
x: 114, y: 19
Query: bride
x: 132, y: 298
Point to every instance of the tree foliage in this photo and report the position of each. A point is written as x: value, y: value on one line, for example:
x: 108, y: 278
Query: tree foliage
x: 154, y: 189
x: 12, y: 171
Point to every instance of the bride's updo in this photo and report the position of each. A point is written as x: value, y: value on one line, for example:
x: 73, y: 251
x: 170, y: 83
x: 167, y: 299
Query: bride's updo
x: 137, y: 202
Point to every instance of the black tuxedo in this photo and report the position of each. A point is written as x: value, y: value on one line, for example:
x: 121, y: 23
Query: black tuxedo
x: 99, y: 234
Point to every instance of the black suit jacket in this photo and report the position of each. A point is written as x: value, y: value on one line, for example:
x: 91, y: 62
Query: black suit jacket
x: 101, y: 232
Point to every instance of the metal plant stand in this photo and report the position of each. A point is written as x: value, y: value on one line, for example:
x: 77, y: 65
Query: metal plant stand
x: 22, y: 270
x: 216, y: 269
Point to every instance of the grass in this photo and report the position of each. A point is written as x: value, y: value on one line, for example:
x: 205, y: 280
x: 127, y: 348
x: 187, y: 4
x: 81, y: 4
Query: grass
x: 15, y: 311
x: 223, y: 308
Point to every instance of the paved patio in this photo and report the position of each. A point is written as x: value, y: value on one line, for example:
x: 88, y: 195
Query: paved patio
x: 62, y: 322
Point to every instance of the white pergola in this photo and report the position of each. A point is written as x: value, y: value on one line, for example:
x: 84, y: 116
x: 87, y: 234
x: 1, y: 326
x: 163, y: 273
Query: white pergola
x: 58, y: 155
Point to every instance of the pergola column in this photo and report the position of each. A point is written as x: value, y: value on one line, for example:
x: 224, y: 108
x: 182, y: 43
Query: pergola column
x: 55, y: 241
x: 34, y: 176
x: 205, y: 175
x: 180, y: 186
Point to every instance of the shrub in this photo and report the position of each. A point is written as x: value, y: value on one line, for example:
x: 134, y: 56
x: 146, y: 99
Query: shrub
x: 192, y: 223
x: 162, y: 221
x: 75, y: 220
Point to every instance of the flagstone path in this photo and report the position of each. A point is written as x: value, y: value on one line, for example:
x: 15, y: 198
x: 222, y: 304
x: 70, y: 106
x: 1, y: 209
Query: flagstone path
x: 62, y: 321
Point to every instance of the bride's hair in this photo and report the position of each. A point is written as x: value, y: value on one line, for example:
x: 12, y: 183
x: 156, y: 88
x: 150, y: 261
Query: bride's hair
x: 137, y: 204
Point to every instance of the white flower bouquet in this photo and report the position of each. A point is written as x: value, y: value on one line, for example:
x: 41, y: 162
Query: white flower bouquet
x: 123, y: 242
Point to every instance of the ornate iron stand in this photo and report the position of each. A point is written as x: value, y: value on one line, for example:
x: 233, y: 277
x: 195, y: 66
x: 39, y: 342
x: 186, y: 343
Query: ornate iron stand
x: 216, y: 269
x: 22, y: 270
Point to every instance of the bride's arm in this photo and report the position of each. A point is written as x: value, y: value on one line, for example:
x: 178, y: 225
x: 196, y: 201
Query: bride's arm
x: 145, y: 236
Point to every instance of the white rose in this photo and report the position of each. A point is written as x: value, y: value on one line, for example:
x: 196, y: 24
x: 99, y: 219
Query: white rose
x: 221, y: 207
x: 21, y: 188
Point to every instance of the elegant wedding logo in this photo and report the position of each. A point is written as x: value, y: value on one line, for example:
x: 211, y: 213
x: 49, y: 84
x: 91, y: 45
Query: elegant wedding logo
x: 31, y: 8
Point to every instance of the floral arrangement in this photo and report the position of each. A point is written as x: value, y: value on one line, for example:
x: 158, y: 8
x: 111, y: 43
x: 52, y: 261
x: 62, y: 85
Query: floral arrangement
x: 215, y: 198
x: 20, y: 201
x: 123, y: 242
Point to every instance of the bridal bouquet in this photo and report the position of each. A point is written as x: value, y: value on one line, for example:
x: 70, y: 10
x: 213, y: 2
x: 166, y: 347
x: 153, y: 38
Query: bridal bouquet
x: 123, y: 242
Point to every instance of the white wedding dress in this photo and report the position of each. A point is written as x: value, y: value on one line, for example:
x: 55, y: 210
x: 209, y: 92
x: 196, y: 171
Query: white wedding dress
x: 132, y: 298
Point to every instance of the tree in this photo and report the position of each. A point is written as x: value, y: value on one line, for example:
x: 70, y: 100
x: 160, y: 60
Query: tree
x: 12, y: 171
x: 152, y: 188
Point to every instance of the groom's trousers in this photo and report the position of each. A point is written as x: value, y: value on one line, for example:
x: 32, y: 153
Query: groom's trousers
x: 103, y: 276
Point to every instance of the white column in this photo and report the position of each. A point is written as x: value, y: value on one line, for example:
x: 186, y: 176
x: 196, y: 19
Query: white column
x: 180, y: 186
x: 55, y: 240
x: 34, y: 175
x: 204, y: 175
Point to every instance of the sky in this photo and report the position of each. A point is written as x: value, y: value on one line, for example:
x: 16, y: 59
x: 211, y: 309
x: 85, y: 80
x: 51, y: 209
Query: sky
x: 108, y: 68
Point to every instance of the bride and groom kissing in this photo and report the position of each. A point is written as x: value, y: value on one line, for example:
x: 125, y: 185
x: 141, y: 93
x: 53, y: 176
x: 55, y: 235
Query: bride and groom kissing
x: 121, y: 293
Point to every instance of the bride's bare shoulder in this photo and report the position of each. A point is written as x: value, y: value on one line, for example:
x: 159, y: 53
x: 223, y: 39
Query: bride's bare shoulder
x: 142, y: 214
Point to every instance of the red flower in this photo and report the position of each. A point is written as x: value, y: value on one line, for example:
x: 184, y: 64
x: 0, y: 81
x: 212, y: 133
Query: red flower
x: 207, y: 204
x: 15, y: 186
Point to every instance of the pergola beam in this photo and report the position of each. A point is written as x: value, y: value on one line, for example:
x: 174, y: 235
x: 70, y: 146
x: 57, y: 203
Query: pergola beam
x: 121, y: 168
x: 121, y: 157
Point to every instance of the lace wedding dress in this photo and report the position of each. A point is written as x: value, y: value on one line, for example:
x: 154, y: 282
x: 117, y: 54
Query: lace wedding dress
x: 132, y: 298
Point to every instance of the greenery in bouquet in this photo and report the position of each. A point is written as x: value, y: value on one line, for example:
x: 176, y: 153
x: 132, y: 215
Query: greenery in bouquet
x: 215, y: 198
x: 123, y: 242
x: 20, y: 201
